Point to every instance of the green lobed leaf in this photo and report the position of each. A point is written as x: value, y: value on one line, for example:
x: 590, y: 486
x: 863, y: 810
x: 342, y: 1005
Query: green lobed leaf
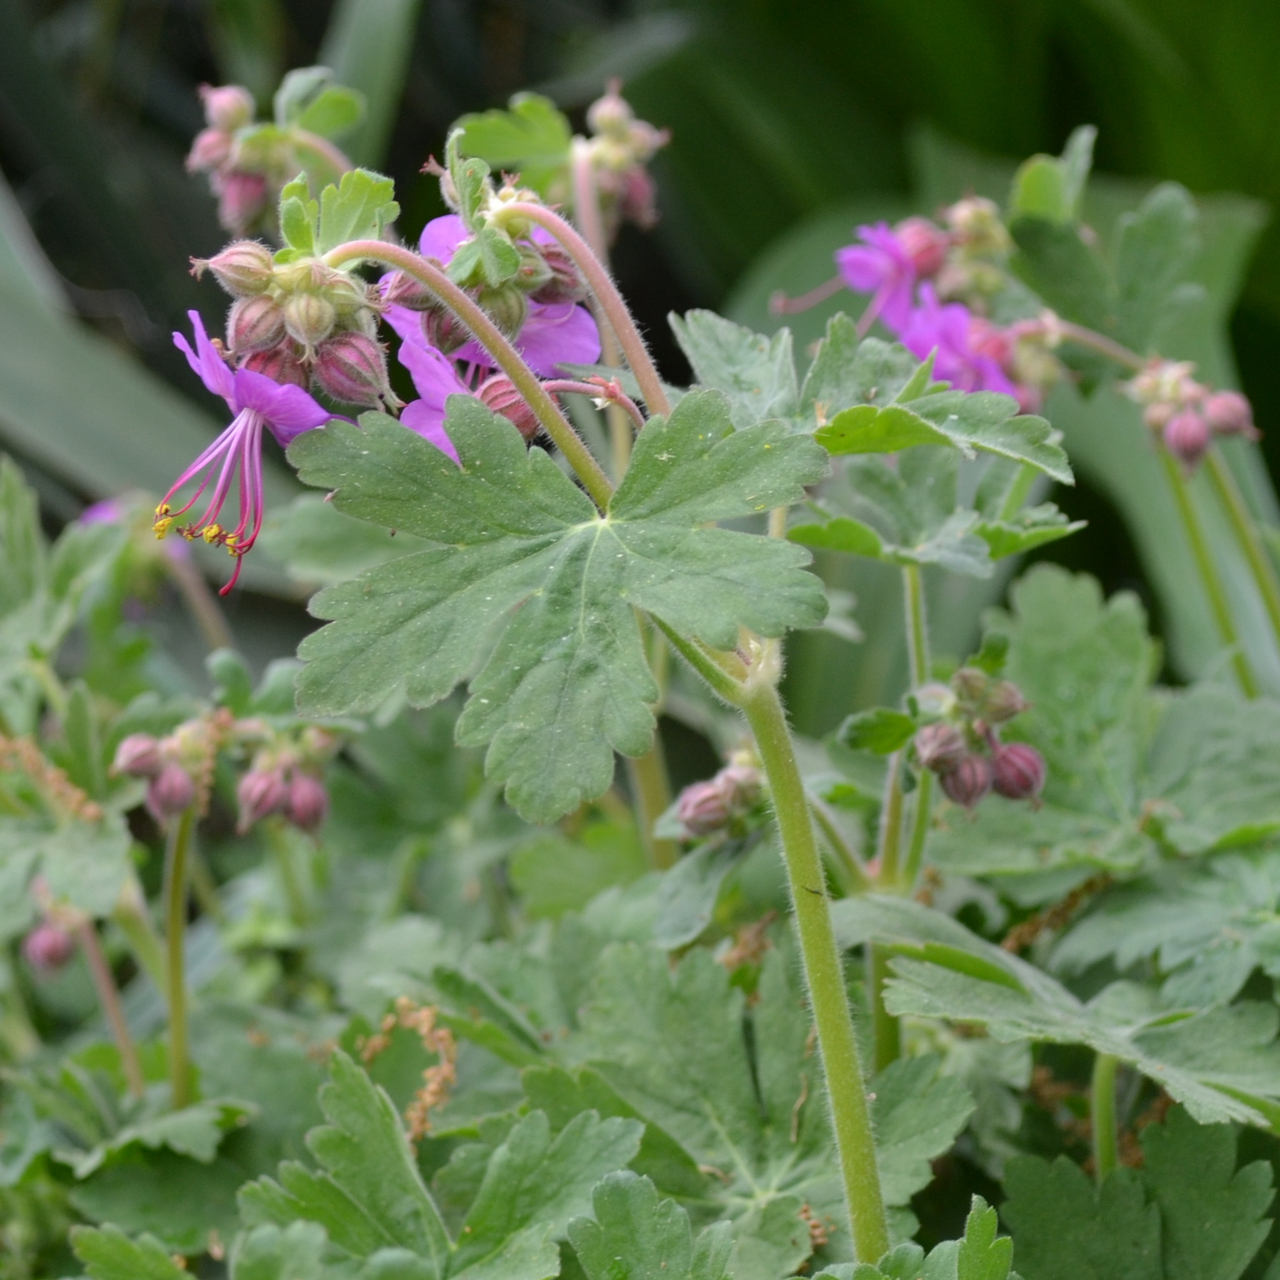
x: 530, y: 138
x: 566, y: 683
x: 333, y: 112
x: 360, y: 207
x: 881, y: 730
x: 298, y: 214
x: 269, y: 1253
x: 1051, y: 187
x: 109, y: 1254
x: 299, y: 89
x: 487, y: 258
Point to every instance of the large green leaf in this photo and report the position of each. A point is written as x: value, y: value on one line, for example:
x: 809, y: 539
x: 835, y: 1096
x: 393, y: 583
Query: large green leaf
x: 567, y: 683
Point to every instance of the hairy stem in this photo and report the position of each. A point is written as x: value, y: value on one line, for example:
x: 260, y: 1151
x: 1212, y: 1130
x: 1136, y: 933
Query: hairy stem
x: 850, y: 1115
x: 487, y: 334
x: 1103, y: 1105
x: 849, y: 868
x: 920, y: 817
x: 606, y: 292
x: 917, y: 635
x: 177, y: 848
x: 109, y: 998
x: 724, y: 672
x: 890, y: 823
x: 1207, y: 573
x: 1103, y: 345
x: 888, y: 1030
x: 1246, y: 533
x: 918, y: 652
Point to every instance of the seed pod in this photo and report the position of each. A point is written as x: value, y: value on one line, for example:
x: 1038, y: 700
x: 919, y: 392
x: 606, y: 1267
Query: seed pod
x: 969, y: 781
x: 170, y: 792
x: 351, y: 367
x: 703, y: 808
x: 1186, y: 436
x: 309, y: 318
x: 254, y: 324
x: 610, y: 114
x: 506, y: 306
x: 279, y: 363
x: 308, y: 802
x: 564, y: 284
x: 499, y: 395
x: 138, y: 755
x: 402, y: 290
x: 227, y: 107
x: 242, y: 269
x: 940, y: 747
x: 970, y: 685
x: 1229, y: 414
x: 47, y: 948
x: 1017, y: 771
x: 259, y: 793
x: 1002, y: 701
x: 443, y: 330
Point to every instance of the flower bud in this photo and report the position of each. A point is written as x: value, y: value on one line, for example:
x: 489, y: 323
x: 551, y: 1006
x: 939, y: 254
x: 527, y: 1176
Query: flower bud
x: 242, y: 269
x: 401, y: 290
x: 241, y: 198
x: 351, y: 367
x: 610, y: 114
x: 227, y: 107
x: 637, y: 201
x: 975, y: 221
x: 506, y: 306
x: 1157, y: 415
x: 740, y: 784
x: 969, y: 781
x: 564, y: 284
x: 935, y: 699
x: 309, y: 318
x: 939, y: 747
x: 170, y: 792
x: 308, y: 802
x: 499, y: 395
x: 210, y: 150
x: 138, y: 755
x: 259, y: 793
x: 970, y: 684
x: 702, y: 808
x: 254, y: 324
x: 1017, y: 771
x: 1002, y: 701
x: 279, y: 363
x: 1186, y: 436
x: 1229, y: 414
x: 925, y: 244
x: 47, y: 948
x: 533, y: 273
x: 443, y: 330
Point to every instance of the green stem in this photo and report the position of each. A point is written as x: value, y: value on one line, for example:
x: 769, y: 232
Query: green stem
x: 201, y: 603
x: 651, y: 793
x: 606, y: 292
x: 1103, y: 1100
x: 1208, y: 576
x: 1246, y: 533
x: 918, y: 650
x: 485, y: 332
x: 1103, y: 345
x: 846, y: 1090
x: 917, y: 635
x: 175, y: 898
x: 109, y: 998
x: 1017, y: 492
x: 890, y: 823
x: 888, y: 1031
x: 724, y: 672
x: 849, y: 868
x: 920, y: 816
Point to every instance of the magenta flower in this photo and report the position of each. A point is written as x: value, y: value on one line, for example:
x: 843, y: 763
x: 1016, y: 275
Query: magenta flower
x: 882, y: 267
x: 951, y: 331
x: 236, y: 455
x: 436, y: 380
x: 553, y: 333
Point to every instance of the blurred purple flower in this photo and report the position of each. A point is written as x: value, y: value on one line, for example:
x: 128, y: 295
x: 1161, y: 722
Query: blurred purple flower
x: 881, y: 267
x: 952, y: 331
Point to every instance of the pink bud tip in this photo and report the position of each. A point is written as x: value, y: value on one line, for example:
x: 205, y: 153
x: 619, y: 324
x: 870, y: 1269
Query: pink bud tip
x: 280, y: 364
x: 227, y: 107
x: 241, y: 198
x: 210, y: 150
x: 1017, y: 771
x: 924, y: 243
x: 499, y: 395
x: 138, y: 755
x: 170, y: 792
x: 47, y: 948
x: 703, y: 808
x: 1186, y: 436
x: 308, y: 802
x: 259, y: 793
x: 939, y: 747
x: 352, y: 367
x: 969, y: 781
x: 1229, y: 413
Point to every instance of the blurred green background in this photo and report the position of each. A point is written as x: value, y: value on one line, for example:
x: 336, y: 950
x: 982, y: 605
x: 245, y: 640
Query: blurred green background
x: 788, y: 120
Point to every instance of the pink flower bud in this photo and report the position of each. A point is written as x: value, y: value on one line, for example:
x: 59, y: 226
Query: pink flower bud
x: 1186, y: 436
x: 564, y: 284
x: 138, y: 755
x: 499, y: 395
x: 170, y: 792
x: 740, y: 784
x: 1017, y: 771
x: 280, y: 364
x: 47, y: 948
x: 443, y: 330
x: 351, y: 367
x: 402, y: 290
x: 506, y: 306
x: 227, y: 107
x: 259, y: 793
x: 610, y: 114
x: 308, y: 802
x: 702, y: 808
x: 242, y: 269
x: 939, y: 747
x: 309, y: 318
x: 1229, y: 414
x: 241, y: 198
x: 969, y: 781
x: 1002, y: 701
x: 925, y: 244
x: 210, y: 150
x: 254, y: 324
x: 637, y: 201
x: 1158, y: 414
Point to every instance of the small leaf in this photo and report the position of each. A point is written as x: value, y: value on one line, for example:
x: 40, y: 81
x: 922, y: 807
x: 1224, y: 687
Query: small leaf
x: 109, y: 1254
x: 360, y: 207
x: 634, y: 1235
x: 332, y: 112
x: 268, y: 1253
x: 300, y: 87
x: 531, y: 138
x: 487, y: 258
x: 881, y: 730
x: 298, y: 213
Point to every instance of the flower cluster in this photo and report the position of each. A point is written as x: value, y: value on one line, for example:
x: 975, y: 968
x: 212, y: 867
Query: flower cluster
x: 963, y: 745
x: 618, y: 151
x: 1186, y: 413
x: 720, y: 803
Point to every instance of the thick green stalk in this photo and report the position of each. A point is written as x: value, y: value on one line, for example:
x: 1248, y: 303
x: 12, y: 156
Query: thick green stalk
x: 1103, y: 1101
x: 175, y: 897
x: 1246, y: 534
x: 920, y: 817
x: 1208, y: 575
x: 132, y: 918
x: 109, y: 998
x: 487, y: 334
x: 850, y: 1115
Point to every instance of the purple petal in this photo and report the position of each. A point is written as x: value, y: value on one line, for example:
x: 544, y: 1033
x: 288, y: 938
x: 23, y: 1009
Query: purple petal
x: 554, y: 334
x: 433, y: 375
x: 287, y: 409
x: 408, y: 324
x: 428, y: 422
x: 208, y: 365
x: 863, y: 270
x: 441, y: 236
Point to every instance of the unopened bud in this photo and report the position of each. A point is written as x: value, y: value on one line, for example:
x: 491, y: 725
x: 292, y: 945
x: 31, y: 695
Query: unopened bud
x: 533, y: 273
x: 47, y: 948
x: 308, y: 802
x: 499, y: 395
x: 254, y: 324
x: 1002, y: 701
x: 351, y: 367
x: 309, y: 318
x: 443, y: 330
x: 319, y: 743
x: 242, y: 269
x: 241, y: 198
x: 210, y: 150
x: 702, y: 808
x: 1229, y: 414
x: 976, y: 222
x: 740, y: 784
x: 259, y: 793
x: 637, y: 200
x: 564, y: 283
x: 227, y: 107
x: 969, y: 781
x: 1017, y: 771
x: 506, y: 306
x: 1186, y: 436
x: 610, y: 114
x: 170, y: 792
x: 925, y: 244
x: 402, y: 290
x: 279, y: 363
x: 138, y: 755
x: 939, y: 747
x: 970, y: 684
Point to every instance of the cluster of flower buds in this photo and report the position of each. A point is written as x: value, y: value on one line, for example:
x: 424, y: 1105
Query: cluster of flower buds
x: 302, y: 322
x: 240, y: 186
x: 171, y: 766
x: 1186, y: 413
x: 720, y: 802
x: 618, y: 150
x: 963, y: 747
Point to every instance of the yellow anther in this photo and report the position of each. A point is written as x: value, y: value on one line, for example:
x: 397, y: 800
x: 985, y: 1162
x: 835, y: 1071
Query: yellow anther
x: 211, y: 532
x: 162, y: 509
x: 161, y: 525
x: 231, y: 543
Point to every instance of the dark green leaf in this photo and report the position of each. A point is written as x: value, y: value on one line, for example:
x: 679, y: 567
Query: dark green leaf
x: 109, y: 1254
x: 268, y: 1253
